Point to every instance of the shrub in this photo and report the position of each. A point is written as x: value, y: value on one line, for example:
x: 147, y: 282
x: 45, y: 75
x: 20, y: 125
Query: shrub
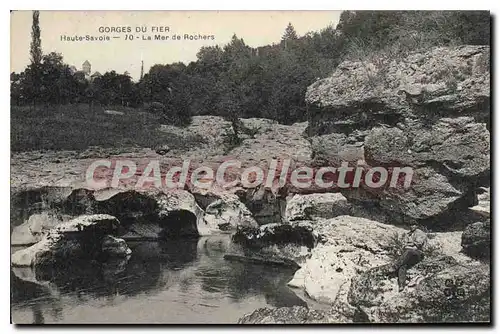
x: 398, y: 241
x: 251, y: 131
x: 230, y: 139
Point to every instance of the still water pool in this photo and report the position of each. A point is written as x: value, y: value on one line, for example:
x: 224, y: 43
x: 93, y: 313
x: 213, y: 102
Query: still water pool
x: 184, y: 281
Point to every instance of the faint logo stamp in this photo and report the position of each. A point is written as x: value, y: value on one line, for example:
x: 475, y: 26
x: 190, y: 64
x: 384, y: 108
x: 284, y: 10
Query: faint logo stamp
x: 454, y: 289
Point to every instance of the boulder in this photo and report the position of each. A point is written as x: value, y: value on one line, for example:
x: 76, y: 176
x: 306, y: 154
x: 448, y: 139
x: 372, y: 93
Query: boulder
x: 460, y: 146
x: 452, y: 80
x: 350, y: 246
x: 266, y: 206
x: 144, y: 213
x: 29, y: 200
x: 162, y: 150
x: 334, y: 148
x: 476, y: 240
x: 31, y: 231
x: 444, y: 292
x: 227, y: 213
x: 448, y: 158
x: 428, y: 111
x: 115, y: 247
x: 70, y: 241
x: 312, y: 206
x: 288, y: 315
x: 180, y: 215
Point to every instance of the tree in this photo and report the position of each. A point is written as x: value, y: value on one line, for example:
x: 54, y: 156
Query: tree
x: 36, y: 42
x: 290, y: 33
x: 170, y: 85
x: 114, y: 89
x: 233, y: 86
x: 289, y: 36
x: 399, y: 32
x: 36, y: 56
x: 16, y: 88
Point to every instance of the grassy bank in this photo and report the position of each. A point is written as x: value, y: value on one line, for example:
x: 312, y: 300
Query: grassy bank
x: 77, y: 127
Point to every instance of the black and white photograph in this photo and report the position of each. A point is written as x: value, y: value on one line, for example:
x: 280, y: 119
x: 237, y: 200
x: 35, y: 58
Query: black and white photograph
x: 250, y: 167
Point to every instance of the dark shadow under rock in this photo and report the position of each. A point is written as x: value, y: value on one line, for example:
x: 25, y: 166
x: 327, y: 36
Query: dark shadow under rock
x: 274, y: 234
x: 178, y: 224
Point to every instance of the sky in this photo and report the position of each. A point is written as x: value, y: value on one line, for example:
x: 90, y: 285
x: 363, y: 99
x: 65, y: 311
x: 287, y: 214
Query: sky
x: 257, y: 28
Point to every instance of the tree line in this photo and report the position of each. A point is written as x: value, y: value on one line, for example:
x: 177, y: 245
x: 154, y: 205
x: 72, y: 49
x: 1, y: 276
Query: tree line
x: 236, y: 80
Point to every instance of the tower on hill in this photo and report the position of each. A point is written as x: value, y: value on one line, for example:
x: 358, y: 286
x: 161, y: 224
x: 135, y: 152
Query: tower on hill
x: 86, y: 67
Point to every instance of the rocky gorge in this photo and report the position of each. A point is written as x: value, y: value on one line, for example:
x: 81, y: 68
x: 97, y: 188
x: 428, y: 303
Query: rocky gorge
x: 429, y: 110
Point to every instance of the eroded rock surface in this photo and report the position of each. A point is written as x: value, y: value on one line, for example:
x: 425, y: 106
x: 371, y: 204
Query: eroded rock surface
x: 227, y: 213
x: 288, y: 315
x: 428, y: 111
x: 311, y: 206
x: 79, y: 238
x: 31, y: 231
x: 440, y: 291
x: 453, y: 80
x: 350, y: 246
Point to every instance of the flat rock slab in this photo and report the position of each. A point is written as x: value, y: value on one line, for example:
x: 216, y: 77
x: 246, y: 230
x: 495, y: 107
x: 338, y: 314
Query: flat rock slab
x: 260, y: 260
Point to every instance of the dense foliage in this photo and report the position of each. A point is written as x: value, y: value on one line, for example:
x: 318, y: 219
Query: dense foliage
x: 237, y: 81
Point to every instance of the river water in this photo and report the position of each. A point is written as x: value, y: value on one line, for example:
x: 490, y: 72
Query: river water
x: 184, y: 281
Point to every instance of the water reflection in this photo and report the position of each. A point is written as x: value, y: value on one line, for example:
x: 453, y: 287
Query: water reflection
x: 180, y: 273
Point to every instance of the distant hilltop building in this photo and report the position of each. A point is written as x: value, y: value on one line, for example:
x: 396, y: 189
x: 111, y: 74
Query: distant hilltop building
x: 86, y: 67
x: 84, y: 73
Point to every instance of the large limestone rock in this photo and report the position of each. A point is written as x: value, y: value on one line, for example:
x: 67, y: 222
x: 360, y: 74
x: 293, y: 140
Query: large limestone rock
x: 31, y: 231
x: 476, y: 240
x: 442, y: 143
x: 448, y: 160
x: 73, y: 240
x: 227, y: 213
x: 311, y: 206
x: 350, y: 246
x: 454, y: 80
x: 143, y: 213
x: 428, y: 111
x: 265, y: 204
x: 334, y: 148
x: 179, y: 213
x: 440, y: 291
x: 29, y: 200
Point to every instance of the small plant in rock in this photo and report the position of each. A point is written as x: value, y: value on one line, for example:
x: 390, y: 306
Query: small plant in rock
x: 230, y: 139
x: 396, y: 243
x: 251, y: 131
